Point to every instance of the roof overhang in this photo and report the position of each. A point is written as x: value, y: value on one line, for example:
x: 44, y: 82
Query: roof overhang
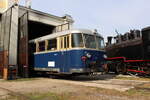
x: 38, y: 16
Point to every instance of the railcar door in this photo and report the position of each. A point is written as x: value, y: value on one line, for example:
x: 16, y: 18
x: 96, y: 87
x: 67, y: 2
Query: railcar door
x: 64, y: 47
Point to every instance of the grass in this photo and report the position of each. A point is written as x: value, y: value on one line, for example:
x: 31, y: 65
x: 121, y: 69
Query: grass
x: 140, y: 90
x: 133, y: 78
x: 91, y: 93
x: 143, y: 90
x: 47, y: 96
x: 21, y: 79
x: 39, y: 96
x: 13, y: 98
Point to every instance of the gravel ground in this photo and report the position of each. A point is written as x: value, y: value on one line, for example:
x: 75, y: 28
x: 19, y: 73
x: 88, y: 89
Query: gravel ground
x: 83, y: 87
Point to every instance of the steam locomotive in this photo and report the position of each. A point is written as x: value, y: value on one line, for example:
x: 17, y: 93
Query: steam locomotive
x: 129, y: 53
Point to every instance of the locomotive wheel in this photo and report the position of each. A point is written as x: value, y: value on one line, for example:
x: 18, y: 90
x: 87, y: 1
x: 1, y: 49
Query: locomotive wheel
x: 123, y: 69
x: 118, y: 68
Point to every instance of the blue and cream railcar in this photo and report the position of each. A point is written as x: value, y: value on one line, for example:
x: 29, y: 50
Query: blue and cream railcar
x: 68, y: 52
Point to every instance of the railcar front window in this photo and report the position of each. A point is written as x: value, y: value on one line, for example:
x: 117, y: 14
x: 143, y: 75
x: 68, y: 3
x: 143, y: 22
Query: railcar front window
x: 77, y: 40
x: 100, y: 42
x: 90, y: 41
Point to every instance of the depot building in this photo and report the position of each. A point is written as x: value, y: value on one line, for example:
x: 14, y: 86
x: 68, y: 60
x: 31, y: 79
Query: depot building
x: 19, y: 25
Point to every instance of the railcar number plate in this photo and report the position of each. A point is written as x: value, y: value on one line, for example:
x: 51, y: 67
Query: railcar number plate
x: 51, y: 64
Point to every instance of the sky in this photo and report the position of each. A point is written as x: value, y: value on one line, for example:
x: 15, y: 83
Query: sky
x: 104, y: 15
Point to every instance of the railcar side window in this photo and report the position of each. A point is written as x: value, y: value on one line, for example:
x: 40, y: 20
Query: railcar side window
x: 65, y: 43
x: 42, y: 46
x: 90, y: 41
x: 61, y: 43
x: 52, y: 44
x: 77, y: 40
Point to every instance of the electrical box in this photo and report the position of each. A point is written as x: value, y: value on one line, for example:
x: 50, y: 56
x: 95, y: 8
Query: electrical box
x: 5, y: 4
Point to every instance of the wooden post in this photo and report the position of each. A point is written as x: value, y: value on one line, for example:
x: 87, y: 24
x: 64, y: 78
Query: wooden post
x: 5, y: 73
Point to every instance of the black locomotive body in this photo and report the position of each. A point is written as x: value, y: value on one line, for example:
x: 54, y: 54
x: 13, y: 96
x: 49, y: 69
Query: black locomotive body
x: 146, y: 42
x: 129, y: 52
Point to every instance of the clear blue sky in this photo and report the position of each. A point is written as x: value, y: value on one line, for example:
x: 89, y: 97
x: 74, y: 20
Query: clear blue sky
x: 104, y: 15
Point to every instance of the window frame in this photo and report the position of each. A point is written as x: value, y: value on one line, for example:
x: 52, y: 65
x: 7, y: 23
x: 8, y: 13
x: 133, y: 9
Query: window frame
x: 62, y: 41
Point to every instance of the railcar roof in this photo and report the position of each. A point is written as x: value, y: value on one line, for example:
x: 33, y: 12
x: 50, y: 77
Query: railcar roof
x: 54, y: 35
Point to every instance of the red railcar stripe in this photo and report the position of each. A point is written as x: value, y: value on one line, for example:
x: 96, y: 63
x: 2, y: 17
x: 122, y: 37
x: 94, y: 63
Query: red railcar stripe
x: 137, y: 61
x: 124, y: 59
x: 131, y: 70
x: 113, y: 58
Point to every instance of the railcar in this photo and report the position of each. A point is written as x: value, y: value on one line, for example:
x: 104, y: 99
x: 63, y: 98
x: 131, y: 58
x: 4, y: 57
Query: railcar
x: 77, y: 52
x: 130, y: 53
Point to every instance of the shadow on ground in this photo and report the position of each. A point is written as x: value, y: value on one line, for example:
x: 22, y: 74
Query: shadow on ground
x: 81, y: 77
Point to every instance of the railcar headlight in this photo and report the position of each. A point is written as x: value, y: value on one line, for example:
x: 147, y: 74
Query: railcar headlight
x: 88, y: 55
x: 84, y: 58
x: 105, y: 56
